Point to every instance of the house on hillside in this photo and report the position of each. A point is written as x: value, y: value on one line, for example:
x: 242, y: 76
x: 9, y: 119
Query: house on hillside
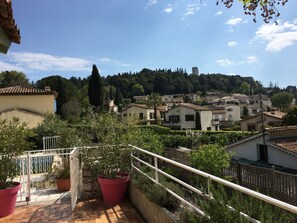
x: 144, y: 113
x: 254, y: 123
x: 183, y: 116
x: 28, y: 104
x: 9, y: 31
x: 278, y: 146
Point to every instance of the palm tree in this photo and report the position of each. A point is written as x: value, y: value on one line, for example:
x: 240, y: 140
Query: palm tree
x: 154, y: 100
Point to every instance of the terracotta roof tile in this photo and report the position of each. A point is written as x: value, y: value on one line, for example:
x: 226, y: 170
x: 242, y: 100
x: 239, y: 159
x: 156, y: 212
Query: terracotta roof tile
x: 192, y: 106
x: 18, y: 90
x: 289, y: 144
x: 7, y: 21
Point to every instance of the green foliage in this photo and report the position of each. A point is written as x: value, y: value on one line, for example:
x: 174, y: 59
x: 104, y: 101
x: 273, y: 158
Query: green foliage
x: 154, y: 100
x: 212, y: 159
x: 60, y: 170
x: 217, y: 210
x: 13, y: 78
x: 112, y: 155
x: 282, y: 100
x: 174, y: 141
x: 52, y: 125
x: 13, y: 142
x: 147, y: 139
x: 95, y: 90
x: 198, y: 121
x: 268, y: 8
x: 157, y: 193
x: 65, y: 88
x: 291, y: 117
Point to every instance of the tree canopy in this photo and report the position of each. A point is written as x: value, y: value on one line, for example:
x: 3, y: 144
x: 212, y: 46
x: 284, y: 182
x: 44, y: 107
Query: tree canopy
x: 291, y: 117
x: 282, y: 100
x: 268, y: 8
x: 95, y: 90
x: 13, y: 78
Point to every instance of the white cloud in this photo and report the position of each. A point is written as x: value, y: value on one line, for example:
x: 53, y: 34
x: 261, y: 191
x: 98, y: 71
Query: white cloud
x: 232, y: 43
x: 219, y: 13
x: 227, y: 62
x: 151, y: 3
x: 233, y: 21
x: 105, y: 60
x: 278, y: 36
x: 252, y: 59
x: 7, y: 67
x: 168, y: 9
x: 191, y: 9
x: 224, y: 62
x: 46, y: 62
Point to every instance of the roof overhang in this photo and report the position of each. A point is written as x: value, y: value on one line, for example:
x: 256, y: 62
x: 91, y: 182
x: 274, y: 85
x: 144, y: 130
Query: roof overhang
x: 4, y: 41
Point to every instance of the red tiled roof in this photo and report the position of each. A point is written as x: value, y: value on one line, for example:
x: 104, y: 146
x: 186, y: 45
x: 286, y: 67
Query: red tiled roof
x: 8, y: 23
x: 18, y: 90
x: 289, y: 144
x: 192, y: 106
x: 275, y: 114
x: 283, y: 131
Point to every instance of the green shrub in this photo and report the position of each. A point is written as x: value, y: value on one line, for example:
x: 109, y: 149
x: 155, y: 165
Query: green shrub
x: 212, y: 159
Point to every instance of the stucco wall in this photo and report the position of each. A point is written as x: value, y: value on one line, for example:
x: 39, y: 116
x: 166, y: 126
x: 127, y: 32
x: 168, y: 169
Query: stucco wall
x: 135, y: 111
x: 36, y: 103
x: 277, y: 157
x: 32, y: 120
x: 247, y: 150
x: 206, y: 117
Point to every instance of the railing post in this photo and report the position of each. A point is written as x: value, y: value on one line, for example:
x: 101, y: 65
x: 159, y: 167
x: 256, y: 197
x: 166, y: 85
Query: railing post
x: 209, y: 187
x: 156, y: 169
x: 273, y: 181
x: 238, y: 172
x: 28, y: 197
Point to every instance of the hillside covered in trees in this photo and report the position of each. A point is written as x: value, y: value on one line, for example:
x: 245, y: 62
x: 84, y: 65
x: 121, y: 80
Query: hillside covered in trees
x: 73, y: 92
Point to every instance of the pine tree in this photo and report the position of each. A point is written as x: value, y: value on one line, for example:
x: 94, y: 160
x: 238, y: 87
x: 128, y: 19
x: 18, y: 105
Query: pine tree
x: 95, y: 90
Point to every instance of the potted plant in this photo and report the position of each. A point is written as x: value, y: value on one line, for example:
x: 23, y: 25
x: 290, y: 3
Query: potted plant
x: 110, y: 159
x: 13, y: 143
x: 59, y: 173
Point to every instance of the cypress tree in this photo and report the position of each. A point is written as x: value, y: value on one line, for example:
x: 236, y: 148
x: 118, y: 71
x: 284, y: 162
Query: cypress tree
x: 95, y: 90
x: 198, y: 121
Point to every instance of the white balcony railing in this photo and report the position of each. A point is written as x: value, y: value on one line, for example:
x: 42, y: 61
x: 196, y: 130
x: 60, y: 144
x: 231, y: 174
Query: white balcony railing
x: 209, y: 178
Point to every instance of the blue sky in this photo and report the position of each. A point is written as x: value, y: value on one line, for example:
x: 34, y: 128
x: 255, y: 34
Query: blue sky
x: 66, y: 37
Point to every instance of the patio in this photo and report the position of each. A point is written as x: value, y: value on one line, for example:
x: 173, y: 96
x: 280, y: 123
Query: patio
x: 59, y: 210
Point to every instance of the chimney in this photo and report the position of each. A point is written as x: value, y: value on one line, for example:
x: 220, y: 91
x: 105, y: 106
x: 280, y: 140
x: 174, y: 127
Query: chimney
x: 47, y: 88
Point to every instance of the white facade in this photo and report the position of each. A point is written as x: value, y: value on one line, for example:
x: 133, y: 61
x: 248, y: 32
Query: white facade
x: 232, y: 113
x: 249, y: 149
x: 140, y: 112
x: 183, y: 117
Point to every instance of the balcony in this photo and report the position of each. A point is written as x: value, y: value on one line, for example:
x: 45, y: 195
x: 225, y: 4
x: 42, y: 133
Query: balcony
x: 215, y: 121
x: 94, y: 209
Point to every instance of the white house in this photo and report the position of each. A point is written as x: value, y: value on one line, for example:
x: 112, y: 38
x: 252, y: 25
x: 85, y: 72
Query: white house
x: 278, y: 146
x: 143, y: 113
x: 183, y: 116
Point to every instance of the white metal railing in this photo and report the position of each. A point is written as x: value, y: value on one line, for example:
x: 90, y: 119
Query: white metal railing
x: 51, y: 142
x: 209, y: 177
x: 75, y: 176
x: 35, y: 164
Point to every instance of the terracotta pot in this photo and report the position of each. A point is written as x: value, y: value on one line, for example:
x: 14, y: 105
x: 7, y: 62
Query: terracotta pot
x: 114, y: 190
x: 63, y: 184
x: 8, y: 199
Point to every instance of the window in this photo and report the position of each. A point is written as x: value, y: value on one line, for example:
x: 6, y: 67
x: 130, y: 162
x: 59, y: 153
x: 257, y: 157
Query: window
x: 141, y: 116
x: 251, y: 127
x: 229, y: 109
x: 152, y: 115
x: 174, y: 118
x: 262, y: 153
x: 208, y: 129
x: 189, y: 118
x: 254, y: 111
